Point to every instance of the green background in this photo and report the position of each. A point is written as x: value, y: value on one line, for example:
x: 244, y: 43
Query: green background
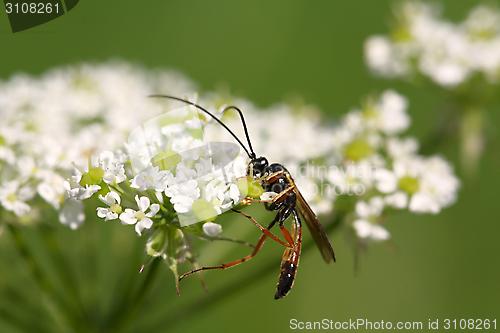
x: 443, y: 266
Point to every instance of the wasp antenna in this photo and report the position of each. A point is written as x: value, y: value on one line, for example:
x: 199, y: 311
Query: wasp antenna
x: 201, y: 108
x: 232, y: 107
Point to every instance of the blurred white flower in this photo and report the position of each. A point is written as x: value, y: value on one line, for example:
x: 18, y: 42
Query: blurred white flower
x: 13, y: 197
x: 445, y: 52
x: 71, y: 213
x: 367, y: 221
x: 401, y: 147
x: 51, y: 187
x: 367, y: 230
x: 384, y: 57
x: 426, y: 185
x: 392, y: 117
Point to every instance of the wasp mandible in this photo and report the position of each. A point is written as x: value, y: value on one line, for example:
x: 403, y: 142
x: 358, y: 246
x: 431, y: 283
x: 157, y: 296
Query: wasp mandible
x: 288, y: 202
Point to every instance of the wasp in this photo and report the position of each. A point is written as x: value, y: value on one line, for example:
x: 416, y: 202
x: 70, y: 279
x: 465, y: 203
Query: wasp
x: 287, y: 203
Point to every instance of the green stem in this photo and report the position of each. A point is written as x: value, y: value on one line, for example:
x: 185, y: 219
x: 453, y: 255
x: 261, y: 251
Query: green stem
x: 124, y: 314
x: 472, y: 138
x: 64, y: 271
x: 53, y: 301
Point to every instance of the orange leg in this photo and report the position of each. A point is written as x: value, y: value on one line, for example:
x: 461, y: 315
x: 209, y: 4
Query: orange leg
x: 266, y: 231
x: 258, y: 246
x: 287, y: 236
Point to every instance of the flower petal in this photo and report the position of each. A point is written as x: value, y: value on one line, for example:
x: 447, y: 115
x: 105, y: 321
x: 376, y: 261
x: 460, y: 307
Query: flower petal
x: 153, y: 209
x: 128, y: 217
x: 102, y: 212
x: 145, y: 223
x: 144, y: 203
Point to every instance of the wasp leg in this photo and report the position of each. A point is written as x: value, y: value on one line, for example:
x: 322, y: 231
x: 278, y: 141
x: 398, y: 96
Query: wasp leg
x: 195, y: 265
x: 278, y: 198
x: 288, y: 207
x: 266, y: 231
x: 233, y: 263
x: 249, y: 201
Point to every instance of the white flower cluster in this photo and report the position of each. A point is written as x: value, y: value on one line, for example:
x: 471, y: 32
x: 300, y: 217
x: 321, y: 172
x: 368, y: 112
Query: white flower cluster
x: 381, y: 170
x: 63, y: 117
x: 64, y: 140
x: 184, y: 163
x: 447, y: 53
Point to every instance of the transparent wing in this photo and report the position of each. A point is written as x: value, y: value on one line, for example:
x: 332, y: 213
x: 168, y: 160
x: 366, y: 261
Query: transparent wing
x: 316, y: 229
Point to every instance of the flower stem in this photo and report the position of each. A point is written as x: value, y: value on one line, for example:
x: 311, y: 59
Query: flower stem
x: 125, y: 313
x: 472, y: 140
x: 53, y: 302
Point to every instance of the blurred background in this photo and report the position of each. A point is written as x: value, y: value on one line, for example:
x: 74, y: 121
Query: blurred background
x: 443, y: 266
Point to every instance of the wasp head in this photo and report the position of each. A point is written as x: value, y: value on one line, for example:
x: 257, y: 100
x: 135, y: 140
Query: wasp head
x: 257, y: 166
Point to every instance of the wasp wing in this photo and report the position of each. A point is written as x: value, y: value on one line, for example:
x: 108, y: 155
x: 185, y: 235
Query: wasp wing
x: 316, y: 229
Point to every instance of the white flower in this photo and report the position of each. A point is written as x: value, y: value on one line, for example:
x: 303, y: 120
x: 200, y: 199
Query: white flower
x: 221, y: 194
x: 51, y: 187
x: 392, y: 112
x: 72, y: 213
x: 77, y: 191
x: 352, y: 178
x: 383, y: 57
x: 27, y: 167
x: 438, y: 187
x: 368, y: 216
x: 112, y: 200
x: 212, y: 229
x: 368, y: 230
x: 13, y: 197
x: 7, y: 155
x: 151, y: 178
x: 401, y: 148
x: 397, y: 200
x: 425, y: 185
x: 371, y: 209
x: 112, y: 164
x: 142, y: 217
x: 386, y: 181
x: 182, y: 195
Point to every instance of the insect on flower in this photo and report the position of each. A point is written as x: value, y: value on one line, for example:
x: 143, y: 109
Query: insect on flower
x: 288, y: 202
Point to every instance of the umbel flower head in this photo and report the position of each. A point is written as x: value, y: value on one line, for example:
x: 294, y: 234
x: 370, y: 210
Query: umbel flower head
x: 382, y: 169
x: 447, y: 53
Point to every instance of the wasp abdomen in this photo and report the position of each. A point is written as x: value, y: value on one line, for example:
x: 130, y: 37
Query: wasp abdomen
x: 286, y: 279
